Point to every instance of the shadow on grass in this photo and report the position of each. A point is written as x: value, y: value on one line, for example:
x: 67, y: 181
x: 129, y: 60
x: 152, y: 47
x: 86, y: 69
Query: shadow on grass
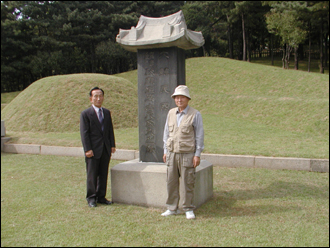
x: 233, y: 203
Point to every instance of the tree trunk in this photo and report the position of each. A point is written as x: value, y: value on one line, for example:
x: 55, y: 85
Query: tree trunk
x: 296, y: 58
x: 283, y: 57
x: 321, y: 48
x: 244, y: 41
x: 248, y: 48
x: 326, y: 50
x: 289, y: 54
x: 230, y: 44
x: 309, y: 47
x: 271, y: 48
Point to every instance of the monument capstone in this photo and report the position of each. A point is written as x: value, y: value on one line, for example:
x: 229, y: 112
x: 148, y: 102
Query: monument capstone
x: 168, y: 31
x: 160, y: 44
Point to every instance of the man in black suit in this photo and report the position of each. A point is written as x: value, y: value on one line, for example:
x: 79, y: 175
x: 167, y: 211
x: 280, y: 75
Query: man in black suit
x: 97, y: 136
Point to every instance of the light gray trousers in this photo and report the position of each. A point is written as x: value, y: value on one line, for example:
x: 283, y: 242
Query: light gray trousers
x: 180, y: 165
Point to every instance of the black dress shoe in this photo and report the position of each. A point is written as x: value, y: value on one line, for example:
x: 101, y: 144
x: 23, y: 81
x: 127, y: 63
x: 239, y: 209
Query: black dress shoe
x: 92, y: 204
x: 105, y: 201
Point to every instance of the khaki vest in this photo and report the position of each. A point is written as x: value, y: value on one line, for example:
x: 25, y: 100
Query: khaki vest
x: 181, y: 139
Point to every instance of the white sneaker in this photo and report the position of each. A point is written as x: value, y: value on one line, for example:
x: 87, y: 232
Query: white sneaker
x: 170, y: 212
x: 190, y: 215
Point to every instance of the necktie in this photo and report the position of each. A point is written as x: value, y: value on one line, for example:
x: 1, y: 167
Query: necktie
x: 101, y: 118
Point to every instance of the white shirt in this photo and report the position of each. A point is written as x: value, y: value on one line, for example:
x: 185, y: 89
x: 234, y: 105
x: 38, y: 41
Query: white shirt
x: 97, y: 111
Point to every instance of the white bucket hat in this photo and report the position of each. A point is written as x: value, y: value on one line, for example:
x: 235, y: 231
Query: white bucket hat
x: 181, y: 90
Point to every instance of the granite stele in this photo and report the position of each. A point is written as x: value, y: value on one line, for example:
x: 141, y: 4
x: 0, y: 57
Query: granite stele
x: 160, y: 44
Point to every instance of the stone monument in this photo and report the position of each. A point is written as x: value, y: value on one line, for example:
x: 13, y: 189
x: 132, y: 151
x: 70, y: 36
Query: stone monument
x: 160, y: 44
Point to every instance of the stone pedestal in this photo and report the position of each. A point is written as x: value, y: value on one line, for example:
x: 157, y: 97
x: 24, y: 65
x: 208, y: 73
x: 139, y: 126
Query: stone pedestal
x: 160, y: 44
x: 160, y: 71
x: 3, y: 134
x: 144, y: 184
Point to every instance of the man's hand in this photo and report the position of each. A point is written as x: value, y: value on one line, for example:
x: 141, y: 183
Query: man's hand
x: 164, y: 158
x: 89, y: 154
x: 196, y: 161
x: 113, y: 149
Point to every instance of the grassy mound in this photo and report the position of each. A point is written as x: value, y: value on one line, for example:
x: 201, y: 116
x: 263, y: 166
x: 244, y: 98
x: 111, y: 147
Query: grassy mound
x: 247, y: 108
x: 54, y: 104
x: 291, y: 100
x: 287, y: 99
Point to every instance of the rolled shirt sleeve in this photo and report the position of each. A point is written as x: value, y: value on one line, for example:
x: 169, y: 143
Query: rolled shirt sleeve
x: 199, y: 133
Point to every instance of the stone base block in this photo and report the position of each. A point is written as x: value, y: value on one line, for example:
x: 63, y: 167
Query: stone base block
x: 21, y: 148
x: 320, y: 165
x: 3, y: 141
x: 144, y: 183
x: 282, y: 163
x: 62, y: 151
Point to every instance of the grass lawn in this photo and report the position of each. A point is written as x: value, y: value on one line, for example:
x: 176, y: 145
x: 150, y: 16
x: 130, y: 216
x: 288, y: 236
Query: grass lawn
x: 43, y: 204
x: 247, y: 108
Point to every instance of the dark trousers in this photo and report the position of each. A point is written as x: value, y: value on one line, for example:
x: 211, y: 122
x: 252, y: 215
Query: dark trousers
x: 97, y: 176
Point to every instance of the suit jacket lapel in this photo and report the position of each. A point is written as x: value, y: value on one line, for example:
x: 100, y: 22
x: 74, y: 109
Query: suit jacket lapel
x: 106, y: 119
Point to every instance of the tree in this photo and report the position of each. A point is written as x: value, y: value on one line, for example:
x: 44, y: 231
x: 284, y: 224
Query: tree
x: 44, y: 38
x: 195, y: 13
x: 221, y: 25
x: 242, y: 9
x: 284, y: 22
x: 16, y: 48
x: 321, y: 17
x: 254, y: 31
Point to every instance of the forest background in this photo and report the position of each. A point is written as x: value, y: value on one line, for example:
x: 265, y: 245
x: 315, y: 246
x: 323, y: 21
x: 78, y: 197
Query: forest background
x: 46, y: 38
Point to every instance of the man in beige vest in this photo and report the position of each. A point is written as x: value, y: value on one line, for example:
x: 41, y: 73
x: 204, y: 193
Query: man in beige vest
x: 183, y: 144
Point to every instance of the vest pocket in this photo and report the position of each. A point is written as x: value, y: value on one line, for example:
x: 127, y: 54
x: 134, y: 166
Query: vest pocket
x: 188, y: 160
x: 169, y: 144
x: 169, y: 159
x: 185, y: 129
x: 186, y: 146
x: 191, y: 178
